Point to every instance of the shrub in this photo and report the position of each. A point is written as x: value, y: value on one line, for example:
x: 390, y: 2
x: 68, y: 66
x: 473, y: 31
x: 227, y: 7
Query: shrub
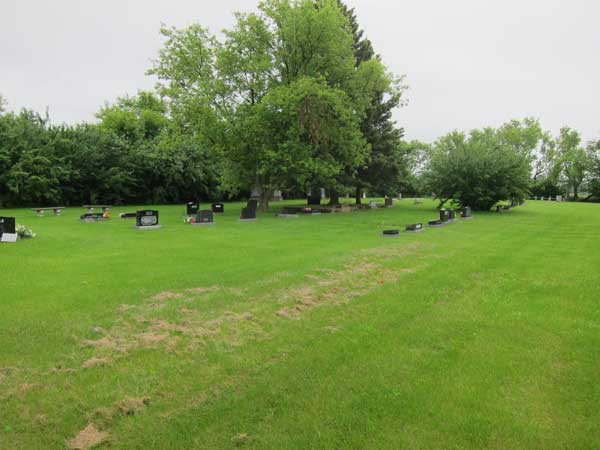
x: 478, y: 171
x: 24, y: 233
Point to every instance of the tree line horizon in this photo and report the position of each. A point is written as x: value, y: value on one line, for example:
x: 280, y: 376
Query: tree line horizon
x: 292, y: 98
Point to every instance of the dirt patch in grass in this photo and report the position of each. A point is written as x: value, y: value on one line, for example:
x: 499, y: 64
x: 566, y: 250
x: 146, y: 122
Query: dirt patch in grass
x: 241, y: 439
x: 105, y: 342
x: 131, y: 406
x: 89, y: 437
x: 203, y: 290
x: 151, y: 337
x: 360, y: 276
x: 94, y: 361
x: 167, y: 295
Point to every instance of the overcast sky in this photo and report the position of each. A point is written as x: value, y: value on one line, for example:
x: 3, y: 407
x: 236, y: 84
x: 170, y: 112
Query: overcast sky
x: 469, y: 63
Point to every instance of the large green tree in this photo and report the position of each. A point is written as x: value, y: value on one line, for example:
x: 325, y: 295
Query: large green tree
x: 385, y: 171
x: 573, y: 158
x: 291, y: 61
x: 593, y: 154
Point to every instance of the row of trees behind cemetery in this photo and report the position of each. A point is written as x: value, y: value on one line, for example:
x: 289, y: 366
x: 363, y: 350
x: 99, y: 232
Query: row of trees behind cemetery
x: 293, y: 97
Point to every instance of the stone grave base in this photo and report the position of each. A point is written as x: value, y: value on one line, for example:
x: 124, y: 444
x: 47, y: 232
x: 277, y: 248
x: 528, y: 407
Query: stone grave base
x: 288, y: 216
x: 466, y: 218
x: 203, y: 224
x: 9, y: 238
x: 248, y: 220
x: 421, y: 230
x: 151, y: 227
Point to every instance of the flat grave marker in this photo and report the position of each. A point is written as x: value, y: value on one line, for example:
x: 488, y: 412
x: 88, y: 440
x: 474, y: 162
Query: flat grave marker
x: 415, y: 228
x: 92, y: 217
x: 435, y: 223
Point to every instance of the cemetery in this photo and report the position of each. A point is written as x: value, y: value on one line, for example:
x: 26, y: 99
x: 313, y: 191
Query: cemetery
x: 306, y: 228
x: 191, y: 303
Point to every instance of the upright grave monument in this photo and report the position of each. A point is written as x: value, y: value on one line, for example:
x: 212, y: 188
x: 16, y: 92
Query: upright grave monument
x: 444, y: 215
x: 192, y: 209
x: 218, y: 208
x: 8, y: 229
x: 204, y: 217
x: 249, y: 212
x: 146, y: 220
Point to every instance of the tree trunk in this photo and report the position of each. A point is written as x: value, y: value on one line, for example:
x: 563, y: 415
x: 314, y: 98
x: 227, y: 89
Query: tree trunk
x: 358, y: 195
x: 265, y: 196
x: 576, y: 192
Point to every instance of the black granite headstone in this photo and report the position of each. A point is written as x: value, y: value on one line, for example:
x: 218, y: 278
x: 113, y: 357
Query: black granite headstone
x: 435, y: 223
x: 444, y: 215
x: 314, y: 200
x: 205, y: 217
x: 252, y: 204
x: 92, y: 217
x: 389, y: 202
x: 8, y: 225
x: 451, y: 215
x: 218, y: 208
x: 414, y: 227
x: 391, y: 233
x: 146, y: 219
x: 248, y: 214
x: 192, y: 208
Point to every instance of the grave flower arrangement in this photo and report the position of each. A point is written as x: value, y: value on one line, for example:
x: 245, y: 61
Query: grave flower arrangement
x: 24, y: 233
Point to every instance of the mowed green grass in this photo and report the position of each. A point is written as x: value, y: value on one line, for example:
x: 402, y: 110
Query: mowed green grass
x: 308, y: 333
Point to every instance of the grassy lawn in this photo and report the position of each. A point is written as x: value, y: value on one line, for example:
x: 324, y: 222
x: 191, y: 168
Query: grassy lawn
x: 308, y: 333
